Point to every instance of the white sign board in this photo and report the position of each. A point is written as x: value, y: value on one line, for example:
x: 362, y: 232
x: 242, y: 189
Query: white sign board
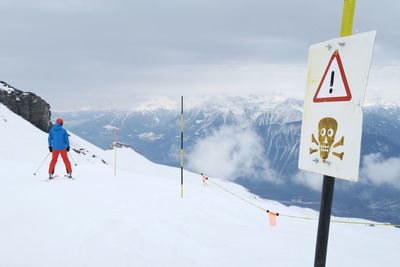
x: 332, y: 120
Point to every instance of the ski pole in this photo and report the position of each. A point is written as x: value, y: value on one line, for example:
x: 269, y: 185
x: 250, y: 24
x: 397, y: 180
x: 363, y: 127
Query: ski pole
x: 72, y: 158
x: 41, y: 163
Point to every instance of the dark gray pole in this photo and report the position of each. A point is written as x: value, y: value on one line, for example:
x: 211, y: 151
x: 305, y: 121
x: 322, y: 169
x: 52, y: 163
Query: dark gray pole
x: 181, y: 146
x: 329, y: 182
x: 324, y: 221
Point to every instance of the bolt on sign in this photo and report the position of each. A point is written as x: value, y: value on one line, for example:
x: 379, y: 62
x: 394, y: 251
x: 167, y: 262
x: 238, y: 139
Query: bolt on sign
x: 332, y: 119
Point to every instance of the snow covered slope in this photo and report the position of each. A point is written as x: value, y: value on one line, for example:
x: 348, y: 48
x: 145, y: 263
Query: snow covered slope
x: 138, y: 218
x: 153, y: 130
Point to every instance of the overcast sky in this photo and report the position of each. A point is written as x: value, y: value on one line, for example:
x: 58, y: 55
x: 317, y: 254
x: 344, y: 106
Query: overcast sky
x: 106, y: 54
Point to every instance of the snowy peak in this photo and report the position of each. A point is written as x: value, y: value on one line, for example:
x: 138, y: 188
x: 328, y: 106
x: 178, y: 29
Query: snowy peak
x: 290, y: 110
x: 155, y: 104
x: 26, y: 104
x: 6, y: 87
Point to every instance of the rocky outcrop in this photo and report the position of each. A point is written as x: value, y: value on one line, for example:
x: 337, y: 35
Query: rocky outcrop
x: 27, y: 105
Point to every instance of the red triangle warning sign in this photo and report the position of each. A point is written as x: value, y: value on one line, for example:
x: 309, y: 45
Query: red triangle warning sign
x: 333, y: 86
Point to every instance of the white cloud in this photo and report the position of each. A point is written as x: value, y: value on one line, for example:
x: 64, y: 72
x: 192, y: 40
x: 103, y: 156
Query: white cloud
x: 383, y: 84
x: 376, y: 170
x: 150, y: 136
x: 231, y: 152
x: 168, y: 48
x: 309, y: 179
x: 380, y: 171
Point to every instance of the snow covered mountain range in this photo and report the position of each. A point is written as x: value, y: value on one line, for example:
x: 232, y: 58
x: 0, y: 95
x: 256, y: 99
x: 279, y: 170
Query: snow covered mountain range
x: 137, y: 217
x: 260, y: 135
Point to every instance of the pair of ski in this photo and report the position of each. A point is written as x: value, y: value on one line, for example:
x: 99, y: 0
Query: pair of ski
x: 51, y: 177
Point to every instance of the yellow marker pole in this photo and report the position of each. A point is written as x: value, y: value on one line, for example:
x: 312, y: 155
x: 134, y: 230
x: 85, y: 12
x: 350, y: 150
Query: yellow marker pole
x: 329, y: 182
x: 349, y: 7
x: 181, y: 146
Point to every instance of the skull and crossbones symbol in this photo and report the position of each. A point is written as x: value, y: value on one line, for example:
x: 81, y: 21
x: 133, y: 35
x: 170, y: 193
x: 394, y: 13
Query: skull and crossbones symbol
x: 327, y: 128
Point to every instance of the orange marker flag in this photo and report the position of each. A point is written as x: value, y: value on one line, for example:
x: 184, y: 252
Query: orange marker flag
x: 272, y: 218
x: 205, y: 178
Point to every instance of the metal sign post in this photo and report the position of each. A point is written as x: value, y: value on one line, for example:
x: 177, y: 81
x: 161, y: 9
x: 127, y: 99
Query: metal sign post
x: 324, y: 221
x: 328, y: 184
x: 181, y: 154
x: 331, y: 128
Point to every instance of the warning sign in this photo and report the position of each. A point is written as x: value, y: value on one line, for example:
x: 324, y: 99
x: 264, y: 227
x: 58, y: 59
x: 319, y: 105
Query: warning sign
x: 331, y: 129
x: 333, y: 86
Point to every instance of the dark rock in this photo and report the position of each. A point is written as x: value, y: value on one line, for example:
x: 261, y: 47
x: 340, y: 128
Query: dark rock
x: 27, y: 105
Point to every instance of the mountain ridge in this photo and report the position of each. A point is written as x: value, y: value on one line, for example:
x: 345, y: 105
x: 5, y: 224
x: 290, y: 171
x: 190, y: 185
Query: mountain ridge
x: 278, y: 123
x: 28, y: 105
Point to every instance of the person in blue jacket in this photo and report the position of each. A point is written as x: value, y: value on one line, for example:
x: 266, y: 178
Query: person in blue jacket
x: 59, y: 144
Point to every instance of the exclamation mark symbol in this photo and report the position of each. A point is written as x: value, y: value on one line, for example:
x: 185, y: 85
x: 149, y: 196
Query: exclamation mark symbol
x: 332, y: 77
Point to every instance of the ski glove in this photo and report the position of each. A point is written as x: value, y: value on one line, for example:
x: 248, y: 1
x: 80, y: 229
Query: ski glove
x: 50, y: 149
x: 67, y: 148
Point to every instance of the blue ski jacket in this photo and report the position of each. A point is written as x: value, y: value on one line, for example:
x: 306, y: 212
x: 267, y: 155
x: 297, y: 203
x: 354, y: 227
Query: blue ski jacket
x: 58, y: 137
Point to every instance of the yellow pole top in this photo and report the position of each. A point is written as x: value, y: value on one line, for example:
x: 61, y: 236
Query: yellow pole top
x: 347, y: 17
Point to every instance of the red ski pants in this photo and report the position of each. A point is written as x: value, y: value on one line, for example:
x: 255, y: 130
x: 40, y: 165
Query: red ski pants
x: 54, y: 158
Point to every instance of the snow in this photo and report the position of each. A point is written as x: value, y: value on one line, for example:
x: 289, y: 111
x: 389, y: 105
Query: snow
x: 110, y: 127
x: 137, y: 218
x: 222, y: 103
x: 253, y: 107
x: 157, y: 103
x: 5, y: 87
x: 383, y: 103
x: 150, y: 136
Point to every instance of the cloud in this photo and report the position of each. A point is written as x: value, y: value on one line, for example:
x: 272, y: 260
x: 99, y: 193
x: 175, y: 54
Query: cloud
x: 375, y: 169
x: 229, y: 153
x: 380, y: 171
x: 387, y: 77
x: 72, y: 51
x: 309, y: 179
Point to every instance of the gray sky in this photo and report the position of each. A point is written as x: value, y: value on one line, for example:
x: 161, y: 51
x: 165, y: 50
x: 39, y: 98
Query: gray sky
x: 104, y: 54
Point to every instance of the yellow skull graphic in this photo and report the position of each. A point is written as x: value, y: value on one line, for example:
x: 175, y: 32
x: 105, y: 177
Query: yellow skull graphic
x: 327, y: 128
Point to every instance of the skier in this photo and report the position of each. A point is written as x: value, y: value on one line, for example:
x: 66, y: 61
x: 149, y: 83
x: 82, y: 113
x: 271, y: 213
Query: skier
x: 59, y: 144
